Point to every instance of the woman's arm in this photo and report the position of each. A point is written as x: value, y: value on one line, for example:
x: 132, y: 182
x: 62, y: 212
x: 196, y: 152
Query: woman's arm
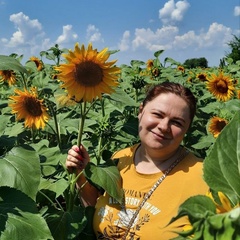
x: 77, y: 159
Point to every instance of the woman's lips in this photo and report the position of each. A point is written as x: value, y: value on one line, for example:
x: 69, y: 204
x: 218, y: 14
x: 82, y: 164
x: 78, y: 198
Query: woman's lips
x: 160, y: 136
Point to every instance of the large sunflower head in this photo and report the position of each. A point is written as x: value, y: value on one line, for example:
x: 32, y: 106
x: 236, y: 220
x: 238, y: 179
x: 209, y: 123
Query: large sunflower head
x: 27, y: 106
x: 38, y: 62
x: 216, y: 125
x: 87, y: 74
x: 8, y: 76
x: 221, y: 86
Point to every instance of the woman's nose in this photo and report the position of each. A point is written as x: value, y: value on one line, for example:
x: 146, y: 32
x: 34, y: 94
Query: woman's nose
x: 164, y: 125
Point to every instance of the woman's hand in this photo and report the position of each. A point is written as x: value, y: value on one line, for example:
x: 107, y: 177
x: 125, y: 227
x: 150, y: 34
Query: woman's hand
x: 77, y: 158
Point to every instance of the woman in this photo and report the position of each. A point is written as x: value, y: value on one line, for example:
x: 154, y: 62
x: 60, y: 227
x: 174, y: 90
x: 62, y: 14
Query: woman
x: 158, y: 174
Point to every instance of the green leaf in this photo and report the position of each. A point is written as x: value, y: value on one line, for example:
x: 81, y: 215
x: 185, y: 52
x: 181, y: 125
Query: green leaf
x: 106, y: 177
x: 14, y: 130
x: 20, y: 169
x: 10, y: 63
x: 56, y: 186
x: 195, y: 208
x: 222, y: 165
x: 19, y: 217
x: 88, y: 233
x: 158, y: 53
x: 49, y: 157
x: 122, y: 99
x: 66, y: 225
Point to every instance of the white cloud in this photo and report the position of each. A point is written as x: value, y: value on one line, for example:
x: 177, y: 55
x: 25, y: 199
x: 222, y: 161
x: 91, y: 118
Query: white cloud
x: 93, y: 34
x: 29, y: 38
x: 168, y: 37
x: 189, y: 39
x: 237, y: 11
x: 28, y: 31
x: 173, y: 12
x: 124, y: 43
x: 217, y: 35
x: 154, y: 41
x: 67, y: 35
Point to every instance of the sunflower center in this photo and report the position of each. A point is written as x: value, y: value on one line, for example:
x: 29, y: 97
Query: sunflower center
x: 222, y: 86
x: 88, y: 73
x: 7, y: 74
x: 33, y: 106
x: 220, y: 125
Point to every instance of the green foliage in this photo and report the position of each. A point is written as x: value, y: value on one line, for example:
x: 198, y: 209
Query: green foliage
x: 222, y: 174
x: 34, y: 183
x: 222, y: 165
x: 234, y: 45
x: 15, y: 168
x: 10, y: 63
x: 196, y: 62
x: 20, y: 218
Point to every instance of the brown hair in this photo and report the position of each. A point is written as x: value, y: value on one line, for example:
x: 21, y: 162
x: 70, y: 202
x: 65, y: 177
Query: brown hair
x: 175, y: 88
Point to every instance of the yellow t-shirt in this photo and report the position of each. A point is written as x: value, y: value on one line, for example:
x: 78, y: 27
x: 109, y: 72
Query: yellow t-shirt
x: 185, y: 180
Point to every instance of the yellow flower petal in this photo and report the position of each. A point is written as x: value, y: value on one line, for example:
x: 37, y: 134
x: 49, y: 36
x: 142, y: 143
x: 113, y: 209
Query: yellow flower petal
x: 87, y: 73
x: 28, y: 107
x: 221, y: 86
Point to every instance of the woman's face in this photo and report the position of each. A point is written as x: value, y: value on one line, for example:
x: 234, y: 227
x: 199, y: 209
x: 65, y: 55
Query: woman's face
x: 163, y: 122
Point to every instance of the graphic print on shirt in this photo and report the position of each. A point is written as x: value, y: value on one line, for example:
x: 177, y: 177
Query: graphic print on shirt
x: 116, y: 225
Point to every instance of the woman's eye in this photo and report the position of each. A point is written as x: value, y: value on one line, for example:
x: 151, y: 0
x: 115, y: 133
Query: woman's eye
x: 158, y: 115
x: 177, y: 123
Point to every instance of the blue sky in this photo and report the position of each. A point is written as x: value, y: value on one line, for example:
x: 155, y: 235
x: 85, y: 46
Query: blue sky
x: 183, y: 29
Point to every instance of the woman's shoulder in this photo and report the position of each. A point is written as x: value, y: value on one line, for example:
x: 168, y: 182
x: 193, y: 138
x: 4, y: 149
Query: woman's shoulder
x: 192, y: 163
x: 126, y: 152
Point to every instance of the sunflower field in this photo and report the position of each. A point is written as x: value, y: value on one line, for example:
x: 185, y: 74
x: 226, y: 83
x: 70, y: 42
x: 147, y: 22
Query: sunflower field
x: 67, y: 97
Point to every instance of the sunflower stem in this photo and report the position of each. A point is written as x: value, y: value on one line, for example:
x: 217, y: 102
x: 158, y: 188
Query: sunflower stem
x: 24, y: 80
x: 102, y: 107
x: 74, y: 178
x: 56, y: 125
x: 136, y: 100
x: 99, y: 150
x: 82, y: 121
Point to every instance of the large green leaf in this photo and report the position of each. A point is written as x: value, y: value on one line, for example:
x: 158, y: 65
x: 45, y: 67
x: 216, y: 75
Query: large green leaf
x: 52, y: 185
x: 10, y: 63
x: 50, y: 157
x: 195, y: 208
x: 20, y: 218
x: 66, y: 225
x: 20, y: 169
x: 107, y: 177
x: 222, y: 165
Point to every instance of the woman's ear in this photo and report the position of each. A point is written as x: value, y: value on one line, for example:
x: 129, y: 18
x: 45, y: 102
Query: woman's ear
x: 140, y: 110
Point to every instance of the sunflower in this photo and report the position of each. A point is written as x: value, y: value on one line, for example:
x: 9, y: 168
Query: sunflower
x: 202, y: 77
x: 28, y: 107
x: 38, y: 62
x: 181, y: 68
x: 87, y: 74
x: 225, y: 205
x: 221, y: 86
x: 216, y: 125
x: 149, y: 64
x: 8, y: 76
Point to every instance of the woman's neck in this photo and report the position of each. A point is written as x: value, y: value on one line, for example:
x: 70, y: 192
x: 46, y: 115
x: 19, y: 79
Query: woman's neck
x: 154, y: 163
